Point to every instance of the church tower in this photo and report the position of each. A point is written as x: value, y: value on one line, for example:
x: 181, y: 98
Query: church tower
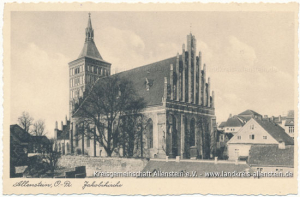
x: 85, y: 70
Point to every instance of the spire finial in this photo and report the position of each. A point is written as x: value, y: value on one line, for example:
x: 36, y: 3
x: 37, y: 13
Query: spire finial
x: 89, y: 15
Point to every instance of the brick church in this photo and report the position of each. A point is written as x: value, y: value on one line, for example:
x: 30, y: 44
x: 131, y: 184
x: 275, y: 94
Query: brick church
x: 179, y: 102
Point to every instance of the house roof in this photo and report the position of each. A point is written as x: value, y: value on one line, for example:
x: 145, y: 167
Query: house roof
x: 223, y: 124
x: 234, y: 122
x: 275, y: 131
x: 249, y: 112
x: 275, y: 156
x: 200, y: 167
x: 19, y: 135
x: 289, y: 122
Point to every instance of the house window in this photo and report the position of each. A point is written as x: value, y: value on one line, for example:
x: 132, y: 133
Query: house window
x: 291, y: 129
x: 251, y: 137
x: 252, y: 127
x: 264, y: 137
x: 239, y: 137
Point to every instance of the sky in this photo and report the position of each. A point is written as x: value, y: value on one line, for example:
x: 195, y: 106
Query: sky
x: 249, y: 55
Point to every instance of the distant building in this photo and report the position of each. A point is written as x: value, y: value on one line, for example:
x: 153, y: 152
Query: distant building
x: 19, y: 143
x: 24, y: 145
x: 289, y: 123
x: 256, y: 132
x: 236, y: 122
x: 271, y: 158
x: 62, y: 137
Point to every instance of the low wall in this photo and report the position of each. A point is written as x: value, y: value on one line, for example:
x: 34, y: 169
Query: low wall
x: 112, y: 164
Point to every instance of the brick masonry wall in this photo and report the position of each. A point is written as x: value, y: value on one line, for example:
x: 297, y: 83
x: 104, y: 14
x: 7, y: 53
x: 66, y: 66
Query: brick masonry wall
x: 112, y: 164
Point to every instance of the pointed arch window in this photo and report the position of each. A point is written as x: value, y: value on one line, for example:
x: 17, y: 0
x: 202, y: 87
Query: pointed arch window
x: 149, y: 128
x: 192, y: 133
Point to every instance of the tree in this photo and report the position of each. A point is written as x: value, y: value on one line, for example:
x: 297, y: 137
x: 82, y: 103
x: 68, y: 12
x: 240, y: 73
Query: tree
x: 108, y: 100
x: 25, y: 121
x: 52, y: 156
x: 39, y: 128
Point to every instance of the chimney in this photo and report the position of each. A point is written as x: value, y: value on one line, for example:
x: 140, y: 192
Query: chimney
x: 272, y: 118
x: 230, y: 115
x: 66, y: 120
x: 56, y: 125
x: 281, y: 145
x: 265, y: 116
x: 62, y: 125
x: 279, y: 118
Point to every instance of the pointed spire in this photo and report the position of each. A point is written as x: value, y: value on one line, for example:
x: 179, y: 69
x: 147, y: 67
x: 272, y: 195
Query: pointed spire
x: 89, y: 26
x: 89, y: 32
x: 89, y: 48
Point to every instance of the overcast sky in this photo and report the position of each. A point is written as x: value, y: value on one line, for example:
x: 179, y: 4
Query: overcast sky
x: 249, y: 55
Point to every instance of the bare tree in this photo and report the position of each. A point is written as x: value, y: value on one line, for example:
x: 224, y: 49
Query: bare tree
x: 109, y: 99
x: 52, y: 156
x: 25, y: 121
x: 39, y: 128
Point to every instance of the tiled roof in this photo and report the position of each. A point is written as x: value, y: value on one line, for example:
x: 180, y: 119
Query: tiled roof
x: 18, y: 134
x: 276, y: 131
x: 289, y: 122
x: 90, y: 50
x: 244, y: 118
x: 234, y: 122
x: 200, y: 167
x: 155, y: 74
x: 223, y: 124
x: 249, y: 112
x: 271, y: 155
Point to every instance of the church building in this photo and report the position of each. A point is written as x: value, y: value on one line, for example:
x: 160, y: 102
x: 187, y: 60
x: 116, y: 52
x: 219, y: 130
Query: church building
x: 180, y: 105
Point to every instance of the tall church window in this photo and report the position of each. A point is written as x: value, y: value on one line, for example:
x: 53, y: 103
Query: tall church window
x: 149, y: 129
x: 192, y: 133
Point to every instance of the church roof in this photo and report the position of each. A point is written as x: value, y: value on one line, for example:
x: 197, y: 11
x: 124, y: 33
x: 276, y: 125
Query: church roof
x: 89, y: 47
x: 90, y: 50
x: 154, y: 73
